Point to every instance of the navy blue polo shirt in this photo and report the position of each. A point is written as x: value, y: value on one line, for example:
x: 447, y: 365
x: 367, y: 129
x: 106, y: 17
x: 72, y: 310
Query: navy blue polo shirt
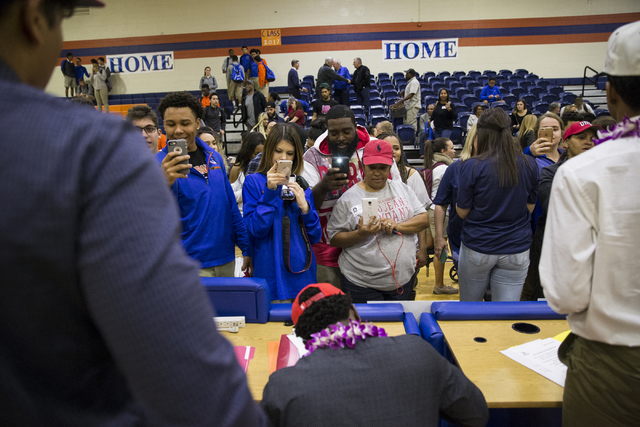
x: 499, y: 221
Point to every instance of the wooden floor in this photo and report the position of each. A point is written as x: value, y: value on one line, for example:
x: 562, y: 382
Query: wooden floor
x: 424, y: 291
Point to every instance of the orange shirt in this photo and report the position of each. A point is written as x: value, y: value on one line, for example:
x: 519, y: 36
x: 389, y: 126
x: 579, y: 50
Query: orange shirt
x: 162, y: 142
x: 205, y: 101
x: 262, y: 73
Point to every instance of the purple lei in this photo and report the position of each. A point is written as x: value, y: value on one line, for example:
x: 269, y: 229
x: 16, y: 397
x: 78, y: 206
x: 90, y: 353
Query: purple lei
x: 339, y: 336
x: 627, y: 127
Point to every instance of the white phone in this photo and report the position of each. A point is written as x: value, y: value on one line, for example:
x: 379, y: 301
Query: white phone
x: 369, y: 209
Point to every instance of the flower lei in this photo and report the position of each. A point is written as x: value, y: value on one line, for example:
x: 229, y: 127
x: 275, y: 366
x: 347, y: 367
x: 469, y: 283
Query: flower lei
x: 627, y: 127
x: 339, y: 336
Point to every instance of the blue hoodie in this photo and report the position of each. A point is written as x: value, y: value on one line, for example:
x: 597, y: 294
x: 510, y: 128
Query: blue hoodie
x: 211, y: 222
x: 488, y: 90
x: 263, y: 212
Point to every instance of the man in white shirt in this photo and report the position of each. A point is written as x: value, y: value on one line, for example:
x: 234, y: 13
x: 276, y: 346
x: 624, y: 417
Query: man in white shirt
x: 590, y: 262
x: 411, y: 98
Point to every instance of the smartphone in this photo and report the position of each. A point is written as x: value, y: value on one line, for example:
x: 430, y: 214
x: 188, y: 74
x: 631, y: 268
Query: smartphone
x: 546, y: 132
x: 341, y: 163
x: 179, y: 145
x: 369, y: 209
x: 284, y: 167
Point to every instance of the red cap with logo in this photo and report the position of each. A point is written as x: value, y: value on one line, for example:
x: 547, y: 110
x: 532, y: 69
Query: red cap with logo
x: 377, y: 151
x: 326, y: 290
x: 579, y: 127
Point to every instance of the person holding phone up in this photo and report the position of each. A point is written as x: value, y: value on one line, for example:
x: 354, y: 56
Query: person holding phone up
x: 212, y: 225
x: 549, y: 130
x: 281, y: 219
x: 378, y: 257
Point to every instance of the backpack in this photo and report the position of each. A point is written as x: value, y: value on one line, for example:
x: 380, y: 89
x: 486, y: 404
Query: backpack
x: 428, y: 176
x: 237, y: 75
x: 270, y: 75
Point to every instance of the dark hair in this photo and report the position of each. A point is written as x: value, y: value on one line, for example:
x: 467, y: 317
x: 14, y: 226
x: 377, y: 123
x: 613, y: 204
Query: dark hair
x: 370, y: 129
x: 476, y: 108
x: 492, y: 78
x: 230, y: 50
x: 588, y: 117
x: 205, y: 72
x: 448, y: 99
x: 139, y: 112
x: 317, y: 128
x: 181, y: 100
x: 83, y: 101
x: 69, y: 54
x: 274, y: 96
x: 234, y: 58
x: 94, y: 61
x: 282, y: 132
x: 244, y: 47
x: 605, y: 122
x: 253, y: 50
x: 430, y: 150
x: 207, y: 130
x: 515, y: 106
x: 340, y: 112
x: 214, y: 93
x: 248, y: 146
x: 403, y: 167
x: 322, y: 313
x: 571, y: 116
x: 495, y: 143
x: 294, y: 62
x: 100, y: 58
x: 205, y: 86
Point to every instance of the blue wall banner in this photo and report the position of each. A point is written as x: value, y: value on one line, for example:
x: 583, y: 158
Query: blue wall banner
x: 134, y: 63
x: 419, y: 50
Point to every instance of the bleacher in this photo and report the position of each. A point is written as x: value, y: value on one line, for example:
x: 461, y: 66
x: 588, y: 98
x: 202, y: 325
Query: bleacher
x: 464, y: 89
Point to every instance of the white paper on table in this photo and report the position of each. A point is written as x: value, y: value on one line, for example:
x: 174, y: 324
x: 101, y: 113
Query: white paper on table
x: 541, y: 356
x: 298, y: 342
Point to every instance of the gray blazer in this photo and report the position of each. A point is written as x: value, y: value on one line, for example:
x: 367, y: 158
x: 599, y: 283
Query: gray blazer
x: 394, y: 381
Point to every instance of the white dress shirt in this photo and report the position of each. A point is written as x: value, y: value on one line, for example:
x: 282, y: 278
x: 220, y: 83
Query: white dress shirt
x: 590, y: 262
x: 413, y: 86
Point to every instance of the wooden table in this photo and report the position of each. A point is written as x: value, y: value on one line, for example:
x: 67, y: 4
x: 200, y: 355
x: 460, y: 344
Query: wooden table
x: 257, y: 335
x: 504, y: 382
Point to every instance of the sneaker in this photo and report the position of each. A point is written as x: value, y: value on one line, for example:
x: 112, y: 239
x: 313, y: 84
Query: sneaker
x: 448, y: 290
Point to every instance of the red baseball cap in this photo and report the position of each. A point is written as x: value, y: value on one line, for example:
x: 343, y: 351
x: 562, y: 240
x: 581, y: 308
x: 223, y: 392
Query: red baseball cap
x: 377, y: 151
x: 326, y: 290
x: 579, y: 127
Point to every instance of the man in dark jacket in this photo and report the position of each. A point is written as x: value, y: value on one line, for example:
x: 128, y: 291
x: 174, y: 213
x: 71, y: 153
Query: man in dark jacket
x: 293, y: 81
x: 253, y: 103
x: 362, y: 83
x: 326, y: 74
x: 214, y: 116
x: 69, y: 73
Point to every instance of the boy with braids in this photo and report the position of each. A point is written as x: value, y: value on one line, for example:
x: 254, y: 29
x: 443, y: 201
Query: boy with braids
x: 371, y: 379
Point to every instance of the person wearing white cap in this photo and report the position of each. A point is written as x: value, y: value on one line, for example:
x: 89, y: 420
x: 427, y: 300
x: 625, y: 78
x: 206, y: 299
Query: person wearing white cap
x: 591, y: 258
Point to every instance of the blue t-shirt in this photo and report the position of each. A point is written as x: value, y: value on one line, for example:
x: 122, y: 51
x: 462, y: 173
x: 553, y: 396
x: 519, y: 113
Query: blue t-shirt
x: 245, y: 61
x: 542, y: 161
x: 448, y: 195
x: 499, y: 221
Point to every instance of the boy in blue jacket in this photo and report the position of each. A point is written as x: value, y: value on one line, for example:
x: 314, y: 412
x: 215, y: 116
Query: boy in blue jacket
x: 211, y: 222
x: 490, y: 93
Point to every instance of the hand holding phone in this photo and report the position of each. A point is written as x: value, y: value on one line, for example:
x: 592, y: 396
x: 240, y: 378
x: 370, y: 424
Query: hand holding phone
x: 342, y: 163
x: 284, y: 168
x: 369, y: 208
x: 547, y: 133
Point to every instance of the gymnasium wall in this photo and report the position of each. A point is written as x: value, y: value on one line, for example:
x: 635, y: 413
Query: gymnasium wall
x: 552, y: 38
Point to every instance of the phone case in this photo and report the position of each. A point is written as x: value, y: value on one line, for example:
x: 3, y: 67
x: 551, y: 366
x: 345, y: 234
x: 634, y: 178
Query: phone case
x: 284, y: 167
x: 181, y: 146
x: 341, y: 163
x: 369, y: 209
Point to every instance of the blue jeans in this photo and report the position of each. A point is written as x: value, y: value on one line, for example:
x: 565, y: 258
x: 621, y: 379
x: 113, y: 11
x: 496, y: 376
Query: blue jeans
x: 505, y: 273
x: 364, y: 98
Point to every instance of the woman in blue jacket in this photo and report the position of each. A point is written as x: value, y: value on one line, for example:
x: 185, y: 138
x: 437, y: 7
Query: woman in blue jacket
x: 266, y: 214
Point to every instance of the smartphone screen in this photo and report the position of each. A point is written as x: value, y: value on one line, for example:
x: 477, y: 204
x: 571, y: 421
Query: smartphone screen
x: 341, y: 163
x: 179, y: 145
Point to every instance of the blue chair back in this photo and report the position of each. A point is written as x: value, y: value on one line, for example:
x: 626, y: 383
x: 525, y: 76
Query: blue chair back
x: 548, y: 97
x: 406, y: 133
x: 432, y: 333
x: 512, y: 310
x: 383, y: 312
x: 239, y: 296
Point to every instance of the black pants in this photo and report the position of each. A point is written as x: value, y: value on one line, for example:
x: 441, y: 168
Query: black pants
x: 362, y: 295
x: 341, y: 96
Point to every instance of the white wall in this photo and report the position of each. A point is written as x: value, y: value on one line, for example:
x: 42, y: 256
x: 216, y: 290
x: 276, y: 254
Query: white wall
x: 135, y: 18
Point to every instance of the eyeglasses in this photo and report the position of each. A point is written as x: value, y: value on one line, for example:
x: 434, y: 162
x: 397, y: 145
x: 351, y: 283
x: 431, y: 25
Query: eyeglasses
x: 148, y: 129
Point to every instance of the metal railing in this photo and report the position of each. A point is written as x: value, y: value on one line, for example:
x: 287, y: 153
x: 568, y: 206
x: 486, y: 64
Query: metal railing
x: 593, y: 79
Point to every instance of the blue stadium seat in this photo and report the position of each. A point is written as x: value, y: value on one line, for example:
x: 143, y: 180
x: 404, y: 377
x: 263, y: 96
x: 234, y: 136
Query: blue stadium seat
x: 432, y: 80
x: 375, y: 101
x: 361, y: 119
x: 521, y: 72
x: 377, y: 119
x: 532, y: 77
x: 543, y: 83
x: 461, y: 91
x: 507, y: 85
x: 541, y: 107
x: 469, y: 100
x: 377, y: 110
x: 505, y: 73
x: 599, y: 112
x: 382, y: 76
x: 428, y: 74
x: 406, y: 133
x: 489, y: 73
x: 437, y: 87
x: 448, y: 80
x: 569, y: 97
x: 515, y: 78
x: 474, y: 74
x: 455, y: 135
x: 430, y: 100
x: 525, y: 84
x: 455, y: 85
x: 459, y: 74
x: 463, y: 118
x: 556, y: 90
x: 509, y: 99
x: 536, y: 90
x: 466, y: 79
x: 477, y: 91
x: 517, y: 91
x: 444, y: 74
x: 529, y: 98
x: 483, y: 80
x: 461, y: 107
x: 357, y: 109
x: 472, y: 85
x: 548, y: 97
x: 503, y: 106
